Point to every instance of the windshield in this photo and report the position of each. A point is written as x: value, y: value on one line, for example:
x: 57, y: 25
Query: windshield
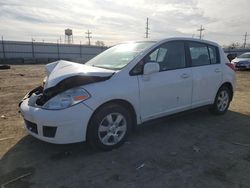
x: 117, y: 57
x: 246, y: 55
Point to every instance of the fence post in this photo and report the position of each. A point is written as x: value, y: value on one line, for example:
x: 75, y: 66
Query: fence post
x: 81, y: 51
x: 32, y: 46
x: 58, y: 52
x: 3, y: 49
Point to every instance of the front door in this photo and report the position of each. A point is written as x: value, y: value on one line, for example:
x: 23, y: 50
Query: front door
x: 169, y: 90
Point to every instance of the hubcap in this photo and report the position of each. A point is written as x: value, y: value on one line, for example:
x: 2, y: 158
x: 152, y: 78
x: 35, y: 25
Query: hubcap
x: 222, y: 100
x: 112, y: 129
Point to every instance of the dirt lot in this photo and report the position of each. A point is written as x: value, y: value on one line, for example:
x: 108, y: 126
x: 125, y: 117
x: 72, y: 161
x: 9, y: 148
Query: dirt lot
x: 196, y: 149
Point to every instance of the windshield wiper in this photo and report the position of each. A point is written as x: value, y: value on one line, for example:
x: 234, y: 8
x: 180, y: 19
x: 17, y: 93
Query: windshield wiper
x: 104, y: 67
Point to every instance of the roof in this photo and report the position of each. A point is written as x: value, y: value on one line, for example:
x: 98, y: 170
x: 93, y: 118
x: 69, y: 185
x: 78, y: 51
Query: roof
x: 190, y: 39
x: 177, y: 38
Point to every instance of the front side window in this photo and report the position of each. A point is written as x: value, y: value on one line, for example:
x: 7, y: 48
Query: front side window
x: 199, y: 54
x: 170, y: 56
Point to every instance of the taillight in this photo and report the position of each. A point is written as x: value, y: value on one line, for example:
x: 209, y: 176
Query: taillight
x: 231, y: 65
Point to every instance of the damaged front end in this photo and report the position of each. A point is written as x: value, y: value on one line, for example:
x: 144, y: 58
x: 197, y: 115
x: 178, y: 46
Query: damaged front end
x: 65, y: 88
x: 40, y: 95
x: 37, y: 91
x: 66, y: 84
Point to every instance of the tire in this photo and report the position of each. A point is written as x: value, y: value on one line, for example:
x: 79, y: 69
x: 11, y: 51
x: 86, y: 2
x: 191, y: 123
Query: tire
x: 222, y: 101
x: 2, y: 67
x: 109, y: 127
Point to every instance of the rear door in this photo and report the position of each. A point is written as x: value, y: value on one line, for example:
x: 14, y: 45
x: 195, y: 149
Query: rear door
x: 207, y: 72
x: 169, y: 90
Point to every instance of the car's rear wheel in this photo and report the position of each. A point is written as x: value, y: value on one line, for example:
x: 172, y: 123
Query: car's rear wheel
x: 109, y: 127
x: 222, y: 101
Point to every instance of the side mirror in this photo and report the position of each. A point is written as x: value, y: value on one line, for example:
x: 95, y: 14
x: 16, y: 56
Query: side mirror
x: 150, y: 68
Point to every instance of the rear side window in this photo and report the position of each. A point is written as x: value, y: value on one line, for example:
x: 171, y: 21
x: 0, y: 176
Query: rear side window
x: 199, y: 54
x: 213, y: 54
x: 203, y: 54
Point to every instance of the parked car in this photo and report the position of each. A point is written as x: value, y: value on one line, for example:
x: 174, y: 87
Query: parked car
x: 125, y: 86
x: 243, y: 61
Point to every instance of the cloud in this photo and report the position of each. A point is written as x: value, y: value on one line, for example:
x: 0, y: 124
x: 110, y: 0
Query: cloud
x: 114, y: 21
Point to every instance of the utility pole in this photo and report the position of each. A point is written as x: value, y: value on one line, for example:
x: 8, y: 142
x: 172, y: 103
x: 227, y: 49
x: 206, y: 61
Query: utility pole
x: 147, y: 30
x: 201, y: 30
x: 245, y: 39
x: 88, y: 36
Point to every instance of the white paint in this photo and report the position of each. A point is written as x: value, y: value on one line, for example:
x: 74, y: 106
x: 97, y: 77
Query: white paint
x: 152, y: 96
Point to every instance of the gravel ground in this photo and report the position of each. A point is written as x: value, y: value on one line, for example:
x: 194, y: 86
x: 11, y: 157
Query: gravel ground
x: 194, y: 149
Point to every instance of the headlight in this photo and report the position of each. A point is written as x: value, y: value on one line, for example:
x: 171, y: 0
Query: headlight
x: 66, y: 99
x: 44, y: 81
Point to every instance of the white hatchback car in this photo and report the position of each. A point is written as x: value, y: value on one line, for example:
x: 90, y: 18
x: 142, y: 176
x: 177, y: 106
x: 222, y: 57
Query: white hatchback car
x: 126, y: 85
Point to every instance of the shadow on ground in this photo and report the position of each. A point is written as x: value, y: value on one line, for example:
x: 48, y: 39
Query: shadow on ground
x: 194, y: 149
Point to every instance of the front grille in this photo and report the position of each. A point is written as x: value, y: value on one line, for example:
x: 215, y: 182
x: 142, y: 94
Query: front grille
x: 31, y: 126
x: 49, y: 131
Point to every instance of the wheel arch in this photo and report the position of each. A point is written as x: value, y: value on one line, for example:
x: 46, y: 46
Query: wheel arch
x: 230, y: 87
x: 124, y: 103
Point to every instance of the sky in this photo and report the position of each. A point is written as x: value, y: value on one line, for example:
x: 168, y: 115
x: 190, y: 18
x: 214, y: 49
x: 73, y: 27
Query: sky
x: 115, y: 21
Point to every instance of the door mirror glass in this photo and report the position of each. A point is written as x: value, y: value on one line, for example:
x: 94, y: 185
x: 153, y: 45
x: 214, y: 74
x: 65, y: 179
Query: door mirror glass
x: 151, y: 67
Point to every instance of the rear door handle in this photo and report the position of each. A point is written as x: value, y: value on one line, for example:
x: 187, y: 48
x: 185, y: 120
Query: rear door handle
x: 217, y: 70
x: 184, y: 75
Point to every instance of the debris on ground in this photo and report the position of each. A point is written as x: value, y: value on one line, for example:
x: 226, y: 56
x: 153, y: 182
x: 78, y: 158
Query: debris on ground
x: 117, y: 177
x: 4, y: 66
x: 21, y: 74
x: 15, y: 179
x: 141, y: 166
x: 68, y: 153
x: 173, y: 153
x: 240, y: 144
x: 196, y: 149
x: 7, y: 138
x: 3, y: 117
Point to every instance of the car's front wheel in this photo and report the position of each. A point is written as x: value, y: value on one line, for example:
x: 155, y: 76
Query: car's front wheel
x: 109, y: 127
x: 222, y: 101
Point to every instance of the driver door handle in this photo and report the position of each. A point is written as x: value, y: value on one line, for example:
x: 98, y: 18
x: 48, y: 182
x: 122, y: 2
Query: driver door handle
x: 217, y: 70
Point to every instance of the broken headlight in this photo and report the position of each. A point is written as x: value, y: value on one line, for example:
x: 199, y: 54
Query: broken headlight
x: 66, y: 99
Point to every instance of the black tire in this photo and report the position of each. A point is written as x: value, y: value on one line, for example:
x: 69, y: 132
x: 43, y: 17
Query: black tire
x: 100, y: 117
x: 215, y: 109
x: 2, y: 67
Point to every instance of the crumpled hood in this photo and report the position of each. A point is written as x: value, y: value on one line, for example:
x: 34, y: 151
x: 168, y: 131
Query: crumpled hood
x: 61, y: 70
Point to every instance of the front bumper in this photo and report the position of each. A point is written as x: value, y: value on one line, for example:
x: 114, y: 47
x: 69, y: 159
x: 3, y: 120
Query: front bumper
x: 57, y: 126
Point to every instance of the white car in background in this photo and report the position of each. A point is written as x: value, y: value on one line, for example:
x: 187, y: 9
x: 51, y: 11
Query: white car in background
x: 243, y: 61
x: 124, y: 86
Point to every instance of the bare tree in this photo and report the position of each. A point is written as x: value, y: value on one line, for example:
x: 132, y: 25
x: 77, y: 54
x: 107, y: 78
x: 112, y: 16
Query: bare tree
x: 234, y: 45
x: 99, y: 43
